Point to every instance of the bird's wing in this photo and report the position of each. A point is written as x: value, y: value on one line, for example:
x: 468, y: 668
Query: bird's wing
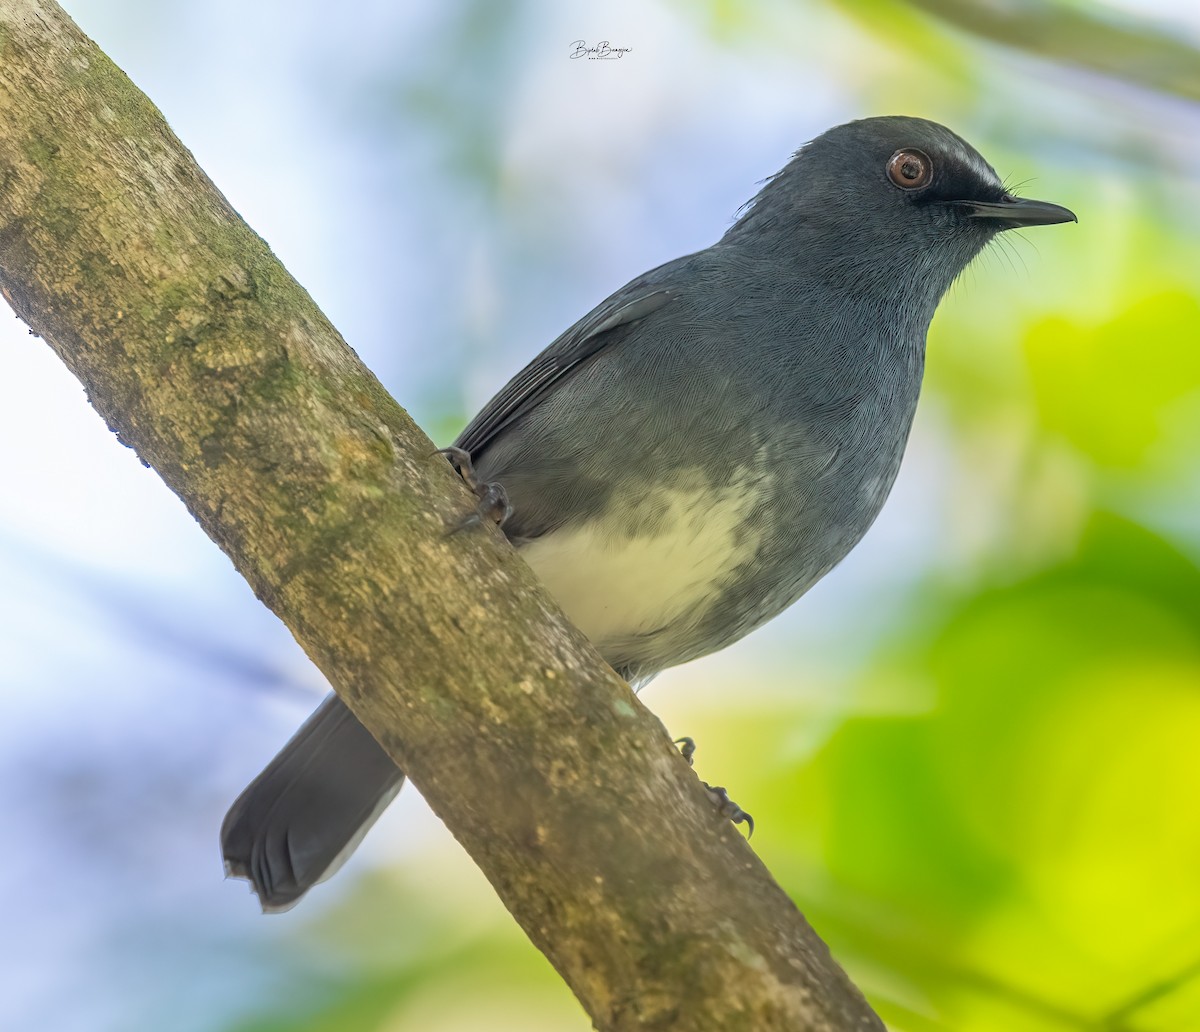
x: 635, y: 301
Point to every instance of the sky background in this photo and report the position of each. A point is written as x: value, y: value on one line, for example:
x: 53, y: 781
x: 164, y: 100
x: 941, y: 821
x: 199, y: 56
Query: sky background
x: 970, y: 751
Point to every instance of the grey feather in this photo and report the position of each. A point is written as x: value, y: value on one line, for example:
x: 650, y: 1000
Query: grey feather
x: 633, y: 302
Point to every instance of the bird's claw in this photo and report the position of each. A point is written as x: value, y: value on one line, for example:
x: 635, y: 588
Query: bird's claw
x: 725, y: 806
x: 687, y: 749
x: 728, y: 808
x: 493, y: 501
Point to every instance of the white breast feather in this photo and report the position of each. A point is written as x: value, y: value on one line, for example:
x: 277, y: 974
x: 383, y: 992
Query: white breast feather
x: 618, y: 584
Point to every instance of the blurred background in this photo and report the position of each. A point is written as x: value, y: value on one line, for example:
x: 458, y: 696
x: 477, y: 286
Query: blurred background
x: 973, y: 751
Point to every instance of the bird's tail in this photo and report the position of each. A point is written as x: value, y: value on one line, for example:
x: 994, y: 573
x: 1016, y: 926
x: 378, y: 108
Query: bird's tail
x: 307, y: 811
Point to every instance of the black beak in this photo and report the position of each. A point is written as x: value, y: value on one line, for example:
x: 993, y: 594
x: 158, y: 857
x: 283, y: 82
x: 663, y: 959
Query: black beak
x: 1014, y: 212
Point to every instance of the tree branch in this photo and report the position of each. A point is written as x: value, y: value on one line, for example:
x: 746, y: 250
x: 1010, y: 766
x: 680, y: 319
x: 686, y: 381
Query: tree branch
x: 207, y: 358
x: 1134, y: 51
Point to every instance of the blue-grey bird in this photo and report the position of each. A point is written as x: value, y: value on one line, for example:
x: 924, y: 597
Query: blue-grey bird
x: 698, y: 450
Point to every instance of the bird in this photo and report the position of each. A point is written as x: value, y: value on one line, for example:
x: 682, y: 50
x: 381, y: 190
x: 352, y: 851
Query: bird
x: 697, y: 451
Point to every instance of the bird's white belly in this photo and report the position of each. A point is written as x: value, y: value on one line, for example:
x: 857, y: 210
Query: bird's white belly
x: 656, y: 566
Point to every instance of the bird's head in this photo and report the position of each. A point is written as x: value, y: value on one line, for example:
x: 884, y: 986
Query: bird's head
x: 892, y: 204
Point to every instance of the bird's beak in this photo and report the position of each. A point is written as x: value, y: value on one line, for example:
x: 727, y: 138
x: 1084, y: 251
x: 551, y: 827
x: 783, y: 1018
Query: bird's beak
x: 1015, y: 212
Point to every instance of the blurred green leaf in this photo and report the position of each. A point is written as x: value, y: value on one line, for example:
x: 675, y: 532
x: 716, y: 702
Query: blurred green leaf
x: 1024, y: 843
x: 1109, y: 389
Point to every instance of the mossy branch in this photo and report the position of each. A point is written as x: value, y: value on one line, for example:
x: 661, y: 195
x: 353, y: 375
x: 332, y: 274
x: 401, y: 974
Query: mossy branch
x: 205, y: 356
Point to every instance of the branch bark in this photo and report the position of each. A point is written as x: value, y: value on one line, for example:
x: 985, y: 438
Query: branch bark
x: 207, y: 358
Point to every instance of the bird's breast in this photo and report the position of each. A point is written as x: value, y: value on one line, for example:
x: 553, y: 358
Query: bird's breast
x: 639, y: 577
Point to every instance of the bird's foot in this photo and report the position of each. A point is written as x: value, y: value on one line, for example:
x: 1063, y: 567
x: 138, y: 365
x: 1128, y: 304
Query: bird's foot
x: 687, y: 748
x: 728, y: 808
x: 493, y: 501
x: 725, y: 806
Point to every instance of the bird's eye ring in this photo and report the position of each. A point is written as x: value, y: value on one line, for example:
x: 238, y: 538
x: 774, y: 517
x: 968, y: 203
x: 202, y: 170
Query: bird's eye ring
x: 910, y: 169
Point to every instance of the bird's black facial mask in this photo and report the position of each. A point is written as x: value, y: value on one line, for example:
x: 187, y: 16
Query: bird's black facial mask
x: 969, y: 186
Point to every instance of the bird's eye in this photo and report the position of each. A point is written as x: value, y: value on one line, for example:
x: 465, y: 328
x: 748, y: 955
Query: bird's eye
x: 910, y: 169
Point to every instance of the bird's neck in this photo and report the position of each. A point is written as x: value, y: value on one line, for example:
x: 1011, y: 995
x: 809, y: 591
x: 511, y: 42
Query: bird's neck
x: 892, y: 276
x: 886, y: 320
